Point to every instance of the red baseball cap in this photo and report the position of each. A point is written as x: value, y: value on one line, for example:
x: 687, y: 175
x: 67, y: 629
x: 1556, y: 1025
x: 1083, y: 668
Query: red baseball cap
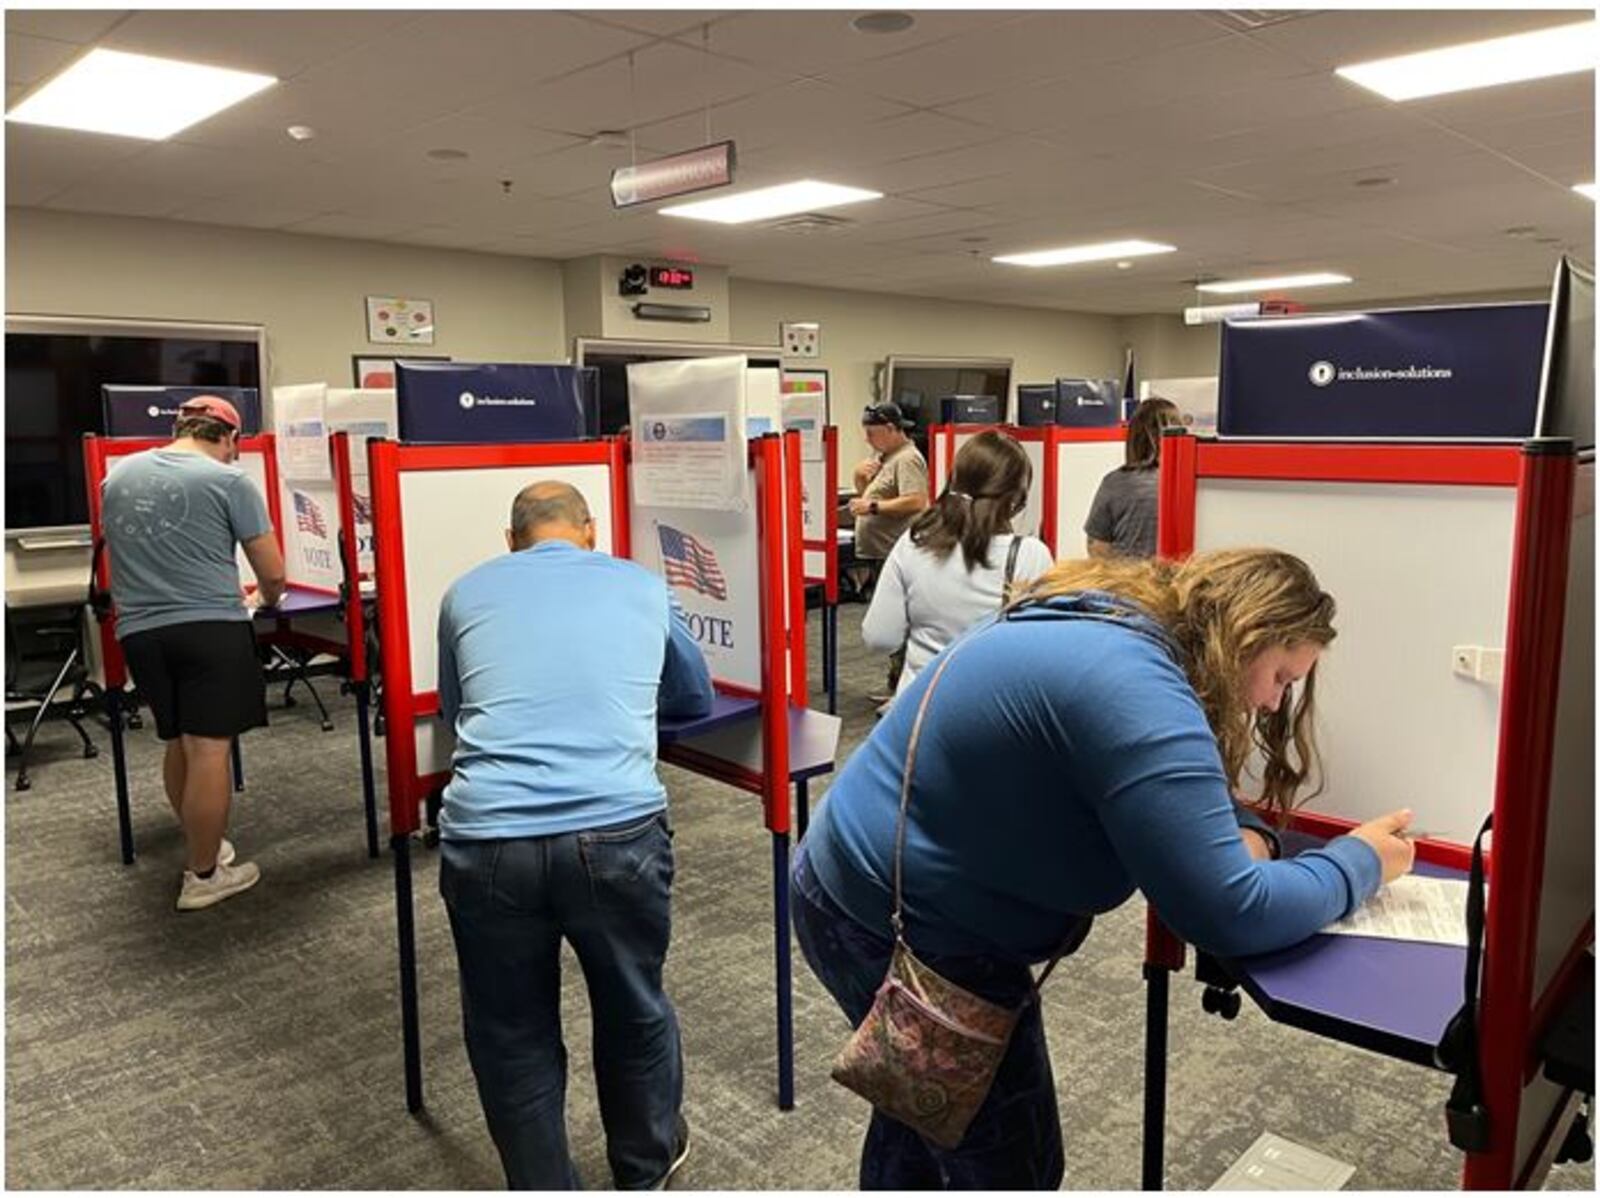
x: 215, y: 407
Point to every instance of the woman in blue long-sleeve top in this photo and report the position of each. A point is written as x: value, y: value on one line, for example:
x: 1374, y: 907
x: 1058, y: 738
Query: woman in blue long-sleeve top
x: 1087, y: 744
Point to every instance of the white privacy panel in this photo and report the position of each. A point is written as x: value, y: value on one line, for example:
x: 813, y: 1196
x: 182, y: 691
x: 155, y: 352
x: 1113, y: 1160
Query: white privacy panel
x: 1032, y: 518
x: 1416, y: 571
x: 1080, y: 465
x: 254, y: 466
x: 457, y: 519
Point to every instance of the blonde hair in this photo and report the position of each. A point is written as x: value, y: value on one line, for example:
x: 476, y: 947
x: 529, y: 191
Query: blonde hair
x: 1222, y: 609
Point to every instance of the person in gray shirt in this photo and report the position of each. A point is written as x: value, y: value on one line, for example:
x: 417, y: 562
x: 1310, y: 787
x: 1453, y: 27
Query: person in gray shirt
x: 172, y: 518
x: 1122, y: 518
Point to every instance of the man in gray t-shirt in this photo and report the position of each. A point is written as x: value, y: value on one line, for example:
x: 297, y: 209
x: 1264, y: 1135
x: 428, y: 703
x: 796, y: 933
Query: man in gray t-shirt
x: 172, y: 519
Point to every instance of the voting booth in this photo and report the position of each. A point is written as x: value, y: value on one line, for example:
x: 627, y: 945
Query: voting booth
x: 318, y: 598
x: 1068, y: 464
x: 726, y: 540
x: 1461, y: 684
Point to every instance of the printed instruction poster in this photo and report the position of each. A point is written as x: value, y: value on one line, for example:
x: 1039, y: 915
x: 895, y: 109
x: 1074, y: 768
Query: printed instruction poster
x: 805, y: 408
x: 300, y: 421
x: 363, y: 413
x: 688, y: 420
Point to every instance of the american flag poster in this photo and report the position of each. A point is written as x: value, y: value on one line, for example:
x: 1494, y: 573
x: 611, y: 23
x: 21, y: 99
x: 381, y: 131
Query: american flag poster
x: 687, y: 562
x: 308, y: 516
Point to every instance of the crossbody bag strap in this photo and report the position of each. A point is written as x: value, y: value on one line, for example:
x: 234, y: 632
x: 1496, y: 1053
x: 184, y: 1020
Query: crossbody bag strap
x: 895, y: 920
x: 1011, y: 570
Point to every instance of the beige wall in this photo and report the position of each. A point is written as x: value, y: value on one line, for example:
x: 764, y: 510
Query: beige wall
x: 1166, y: 348
x: 308, y: 291
x: 860, y: 329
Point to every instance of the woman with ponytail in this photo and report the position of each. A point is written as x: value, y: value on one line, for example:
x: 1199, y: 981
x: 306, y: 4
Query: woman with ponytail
x: 955, y: 563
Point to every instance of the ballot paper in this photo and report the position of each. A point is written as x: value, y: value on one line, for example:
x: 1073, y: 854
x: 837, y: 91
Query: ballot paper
x: 1412, y: 907
x: 1273, y: 1163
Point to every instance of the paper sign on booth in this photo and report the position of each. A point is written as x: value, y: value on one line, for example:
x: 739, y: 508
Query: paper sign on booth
x: 299, y: 417
x: 688, y: 423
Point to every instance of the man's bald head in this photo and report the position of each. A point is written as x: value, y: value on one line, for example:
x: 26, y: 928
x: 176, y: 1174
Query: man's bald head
x: 550, y: 510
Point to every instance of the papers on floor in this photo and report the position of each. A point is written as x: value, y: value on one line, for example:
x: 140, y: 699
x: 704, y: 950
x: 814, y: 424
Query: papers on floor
x: 1412, y: 907
x: 1273, y: 1163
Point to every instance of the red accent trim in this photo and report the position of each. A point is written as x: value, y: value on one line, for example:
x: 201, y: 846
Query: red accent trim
x: 621, y: 518
x: 949, y: 454
x: 774, y: 708
x: 1052, y: 494
x: 1444, y: 853
x: 94, y: 473
x: 1109, y: 432
x: 424, y: 705
x: 467, y: 457
x: 830, y: 451
x: 268, y: 446
x: 1462, y: 465
x: 1175, y: 498
x: 796, y: 555
x: 394, y: 633
x: 355, y: 614
x: 1554, y: 995
x: 1543, y: 533
x: 1162, y: 947
x: 735, y: 689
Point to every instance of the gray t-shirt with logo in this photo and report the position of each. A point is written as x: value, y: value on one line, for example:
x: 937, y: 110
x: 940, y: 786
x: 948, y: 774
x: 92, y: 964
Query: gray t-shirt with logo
x: 1124, y: 512
x: 172, y: 520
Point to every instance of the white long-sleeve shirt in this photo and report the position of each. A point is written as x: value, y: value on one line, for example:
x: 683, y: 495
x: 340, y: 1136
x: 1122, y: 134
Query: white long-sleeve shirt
x: 924, y: 603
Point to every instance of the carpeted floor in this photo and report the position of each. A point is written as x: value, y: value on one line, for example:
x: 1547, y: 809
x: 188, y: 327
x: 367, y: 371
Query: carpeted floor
x: 257, y: 1045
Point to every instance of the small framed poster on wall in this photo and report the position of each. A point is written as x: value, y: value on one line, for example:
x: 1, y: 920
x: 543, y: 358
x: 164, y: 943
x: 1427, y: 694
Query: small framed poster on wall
x: 379, y: 372
x: 392, y: 320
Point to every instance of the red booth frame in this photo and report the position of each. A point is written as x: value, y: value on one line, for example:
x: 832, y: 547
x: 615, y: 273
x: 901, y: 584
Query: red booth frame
x: 942, y: 441
x: 1510, y: 1017
x: 782, y: 611
x: 829, y: 548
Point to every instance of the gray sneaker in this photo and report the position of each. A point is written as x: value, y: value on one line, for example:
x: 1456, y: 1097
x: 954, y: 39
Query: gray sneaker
x: 225, y: 882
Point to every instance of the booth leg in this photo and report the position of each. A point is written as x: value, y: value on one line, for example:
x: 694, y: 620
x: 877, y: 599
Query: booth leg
x: 830, y: 649
x: 238, y: 766
x: 1157, y: 979
x: 409, y: 1027
x: 780, y: 921
x: 119, y: 768
x: 802, y: 809
x: 368, y: 788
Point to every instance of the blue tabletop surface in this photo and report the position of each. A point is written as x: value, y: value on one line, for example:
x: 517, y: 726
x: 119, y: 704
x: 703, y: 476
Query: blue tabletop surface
x: 1392, y: 996
x: 297, y: 601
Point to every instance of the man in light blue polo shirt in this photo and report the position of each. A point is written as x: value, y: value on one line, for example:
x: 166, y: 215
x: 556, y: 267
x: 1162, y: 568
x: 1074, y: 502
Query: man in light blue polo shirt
x: 554, y: 665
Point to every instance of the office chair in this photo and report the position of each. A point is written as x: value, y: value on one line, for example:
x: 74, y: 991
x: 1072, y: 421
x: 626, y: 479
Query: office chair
x: 72, y: 671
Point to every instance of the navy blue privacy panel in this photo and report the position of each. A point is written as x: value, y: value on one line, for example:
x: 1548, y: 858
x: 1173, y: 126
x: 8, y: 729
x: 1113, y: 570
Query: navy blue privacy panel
x: 1436, y: 373
x: 1088, y: 403
x: 970, y: 409
x: 495, y: 402
x: 1567, y: 408
x: 132, y: 411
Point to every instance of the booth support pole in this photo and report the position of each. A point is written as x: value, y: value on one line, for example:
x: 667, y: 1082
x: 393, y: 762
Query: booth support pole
x: 369, y: 794
x: 409, y: 1022
x: 802, y: 808
x: 238, y: 765
x: 781, y: 955
x: 119, y: 768
x: 1163, y: 956
x: 830, y: 627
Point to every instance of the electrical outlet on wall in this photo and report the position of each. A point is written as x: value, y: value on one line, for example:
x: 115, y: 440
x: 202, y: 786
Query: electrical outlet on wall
x: 800, y: 338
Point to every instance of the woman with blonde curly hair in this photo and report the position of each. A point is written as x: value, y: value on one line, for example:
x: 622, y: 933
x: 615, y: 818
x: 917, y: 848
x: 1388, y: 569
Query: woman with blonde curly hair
x: 1085, y: 744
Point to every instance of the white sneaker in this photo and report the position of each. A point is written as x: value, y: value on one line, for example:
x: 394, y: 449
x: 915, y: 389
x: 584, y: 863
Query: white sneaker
x: 225, y: 853
x: 225, y: 882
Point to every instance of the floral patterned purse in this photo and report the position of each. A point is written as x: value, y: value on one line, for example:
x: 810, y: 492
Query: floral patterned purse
x: 927, y: 1052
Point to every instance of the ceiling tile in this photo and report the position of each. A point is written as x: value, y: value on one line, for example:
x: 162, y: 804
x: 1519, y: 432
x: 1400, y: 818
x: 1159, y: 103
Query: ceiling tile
x: 815, y: 41
x: 344, y: 224
x: 30, y: 60
x: 66, y: 25
x: 655, y: 22
x: 247, y: 210
x: 805, y: 113
x: 277, y: 42
x: 149, y: 199
x: 1334, y: 39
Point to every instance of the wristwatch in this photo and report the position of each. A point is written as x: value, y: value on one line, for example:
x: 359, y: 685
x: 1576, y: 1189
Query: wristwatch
x: 872, y: 508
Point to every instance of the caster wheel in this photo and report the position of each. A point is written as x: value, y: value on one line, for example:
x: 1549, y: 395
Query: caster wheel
x: 288, y: 702
x: 1577, y: 1147
x: 90, y: 751
x: 327, y: 725
x: 1217, y: 1001
x: 24, y: 783
x: 135, y: 721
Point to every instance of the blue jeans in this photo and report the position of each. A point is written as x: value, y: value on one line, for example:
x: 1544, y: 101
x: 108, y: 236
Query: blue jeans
x: 1014, y: 1142
x: 608, y: 893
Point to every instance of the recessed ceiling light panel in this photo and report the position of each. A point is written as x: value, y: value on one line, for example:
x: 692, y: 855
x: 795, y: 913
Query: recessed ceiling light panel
x: 768, y: 203
x: 1544, y: 52
x: 1276, y: 283
x: 1071, y: 254
x: 134, y: 95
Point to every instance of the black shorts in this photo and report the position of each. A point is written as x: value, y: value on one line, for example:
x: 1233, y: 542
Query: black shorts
x: 201, y: 679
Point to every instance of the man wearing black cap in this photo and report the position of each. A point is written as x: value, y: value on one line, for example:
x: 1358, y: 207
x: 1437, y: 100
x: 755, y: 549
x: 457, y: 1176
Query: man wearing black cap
x: 891, y: 488
x: 172, y: 519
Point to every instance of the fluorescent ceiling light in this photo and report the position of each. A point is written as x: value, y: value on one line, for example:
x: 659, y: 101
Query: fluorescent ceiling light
x: 134, y: 95
x: 1067, y: 255
x: 1537, y: 55
x: 1587, y: 189
x: 1236, y: 286
x: 786, y: 199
